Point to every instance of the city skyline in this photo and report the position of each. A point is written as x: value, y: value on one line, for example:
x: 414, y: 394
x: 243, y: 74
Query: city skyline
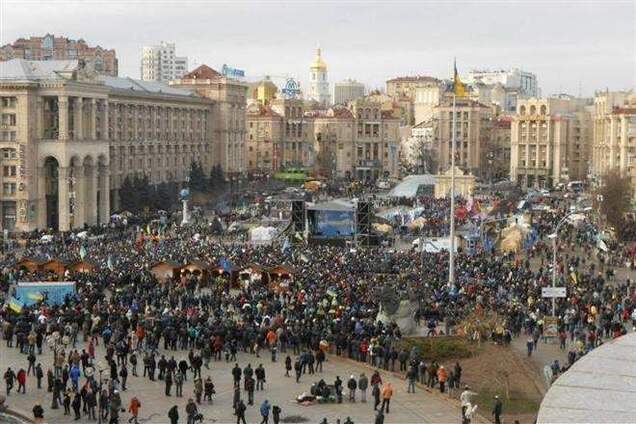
x: 376, y: 47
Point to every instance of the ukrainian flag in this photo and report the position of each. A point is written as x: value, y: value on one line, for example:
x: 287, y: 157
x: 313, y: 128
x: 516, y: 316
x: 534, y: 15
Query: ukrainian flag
x: 458, y: 86
x: 15, y: 305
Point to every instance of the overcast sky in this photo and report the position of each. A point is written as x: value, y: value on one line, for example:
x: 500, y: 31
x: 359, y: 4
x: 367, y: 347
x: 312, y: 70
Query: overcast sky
x: 572, y: 46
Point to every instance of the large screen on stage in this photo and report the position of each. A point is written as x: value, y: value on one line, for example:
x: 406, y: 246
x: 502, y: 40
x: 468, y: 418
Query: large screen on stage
x: 52, y: 293
x: 334, y: 224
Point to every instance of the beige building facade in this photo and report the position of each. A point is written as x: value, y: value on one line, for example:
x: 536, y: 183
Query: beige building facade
x: 359, y: 142
x: 614, y: 133
x: 70, y: 137
x: 50, y: 47
x: 230, y: 102
x: 550, y: 139
x: 472, y: 134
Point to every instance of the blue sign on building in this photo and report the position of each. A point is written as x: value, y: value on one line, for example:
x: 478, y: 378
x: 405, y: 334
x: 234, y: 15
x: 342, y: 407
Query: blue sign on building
x: 232, y: 72
x: 291, y: 89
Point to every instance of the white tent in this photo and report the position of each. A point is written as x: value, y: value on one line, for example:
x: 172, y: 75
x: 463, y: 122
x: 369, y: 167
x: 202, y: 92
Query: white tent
x: 262, y: 235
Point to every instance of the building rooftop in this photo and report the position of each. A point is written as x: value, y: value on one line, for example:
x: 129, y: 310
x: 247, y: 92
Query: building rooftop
x: 203, y: 72
x: 142, y: 86
x: 47, y: 70
x: 599, y: 388
x: 35, y: 70
x: 414, y: 78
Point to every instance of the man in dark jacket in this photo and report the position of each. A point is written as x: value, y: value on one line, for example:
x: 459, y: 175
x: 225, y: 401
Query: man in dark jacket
x: 352, y: 385
x: 236, y: 374
x: 497, y: 410
x: 260, y: 377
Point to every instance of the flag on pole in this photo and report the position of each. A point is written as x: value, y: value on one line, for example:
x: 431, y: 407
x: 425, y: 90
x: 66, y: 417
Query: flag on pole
x: 286, y: 246
x: 458, y: 86
x: 15, y: 305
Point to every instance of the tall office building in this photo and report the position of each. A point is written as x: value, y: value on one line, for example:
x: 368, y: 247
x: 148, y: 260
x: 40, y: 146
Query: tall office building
x: 505, y: 86
x: 161, y: 63
x: 347, y: 90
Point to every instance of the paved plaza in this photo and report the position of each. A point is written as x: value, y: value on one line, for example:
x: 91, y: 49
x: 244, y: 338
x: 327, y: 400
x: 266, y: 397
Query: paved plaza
x: 421, y: 407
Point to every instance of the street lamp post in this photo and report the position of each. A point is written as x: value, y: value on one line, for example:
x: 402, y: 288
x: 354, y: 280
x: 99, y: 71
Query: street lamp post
x: 555, y: 236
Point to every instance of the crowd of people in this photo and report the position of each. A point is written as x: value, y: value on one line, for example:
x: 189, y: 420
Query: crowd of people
x: 329, y: 305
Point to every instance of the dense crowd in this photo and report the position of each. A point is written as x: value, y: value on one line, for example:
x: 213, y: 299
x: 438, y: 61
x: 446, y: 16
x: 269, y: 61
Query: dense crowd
x: 329, y: 304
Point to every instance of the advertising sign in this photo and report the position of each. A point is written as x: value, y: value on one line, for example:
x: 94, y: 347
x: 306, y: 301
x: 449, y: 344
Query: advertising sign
x: 291, y: 88
x: 550, y: 327
x: 232, y: 72
x: 553, y: 292
x: 52, y: 293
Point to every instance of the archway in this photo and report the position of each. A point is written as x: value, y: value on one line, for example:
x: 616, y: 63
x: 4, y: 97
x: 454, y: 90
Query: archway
x: 51, y: 176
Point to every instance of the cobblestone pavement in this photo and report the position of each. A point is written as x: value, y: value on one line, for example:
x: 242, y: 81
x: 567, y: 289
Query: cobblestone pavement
x: 421, y: 407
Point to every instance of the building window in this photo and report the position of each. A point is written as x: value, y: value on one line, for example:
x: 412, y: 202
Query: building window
x: 8, y: 189
x: 9, y: 154
x: 9, y: 101
x: 8, y: 171
x: 8, y: 119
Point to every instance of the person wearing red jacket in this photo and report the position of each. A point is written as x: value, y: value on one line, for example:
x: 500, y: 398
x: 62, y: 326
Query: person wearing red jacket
x: 22, y: 380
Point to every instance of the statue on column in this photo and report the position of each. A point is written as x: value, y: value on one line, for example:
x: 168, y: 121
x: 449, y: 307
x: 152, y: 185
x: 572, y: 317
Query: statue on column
x: 184, y: 195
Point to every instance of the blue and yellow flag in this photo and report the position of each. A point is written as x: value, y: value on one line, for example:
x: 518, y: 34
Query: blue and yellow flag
x: 15, y: 305
x: 458, y: 86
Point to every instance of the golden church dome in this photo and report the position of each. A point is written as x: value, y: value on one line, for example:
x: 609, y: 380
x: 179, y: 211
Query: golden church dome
x: 318, y: 63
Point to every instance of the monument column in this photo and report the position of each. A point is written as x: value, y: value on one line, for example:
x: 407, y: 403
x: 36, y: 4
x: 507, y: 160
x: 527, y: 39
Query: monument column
x: 63, y: 199
x: 78, y: 123
x: 62, y: 105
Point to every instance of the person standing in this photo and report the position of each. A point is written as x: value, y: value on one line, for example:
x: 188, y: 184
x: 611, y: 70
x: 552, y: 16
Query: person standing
x: 77, y: 403
x: 497, y: 410
x: 168, y: 383
x: 288, y: 366
x: 465, y: 400
x: 260, y: 377
x: 379, y: 418
x: 67, y: 402
x: 265, y: 408
x: 442, y: 376
x: 39, y: 374
x: 375, y: 392
x: 22, y: 381
x: 363, y: 384
x: 198, y: 389
x: 9, y: 378
x: 133, y: 408
x: 123, y: 373
x: 178, y: 381
x: 240, y: 412
x: 276, y: 410
x: 208, y: 389
x: 411, y: 375
x: 173, y: 415
x: 191, y: 410
x: 352, y: 385
x: 387, y: 393
x: 249, y: 387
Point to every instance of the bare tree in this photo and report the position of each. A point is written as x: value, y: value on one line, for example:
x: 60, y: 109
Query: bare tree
x: 616, y: 192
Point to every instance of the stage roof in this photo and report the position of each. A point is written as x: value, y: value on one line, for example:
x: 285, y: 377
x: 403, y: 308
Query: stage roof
x: 334, y: 205
x: 409, y: 185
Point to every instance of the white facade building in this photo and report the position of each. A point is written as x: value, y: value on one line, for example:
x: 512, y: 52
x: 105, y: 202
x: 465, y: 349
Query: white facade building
x: 160, y: 63
x: 347, y: 90
x: 319, y: 84
x: 515, y: 82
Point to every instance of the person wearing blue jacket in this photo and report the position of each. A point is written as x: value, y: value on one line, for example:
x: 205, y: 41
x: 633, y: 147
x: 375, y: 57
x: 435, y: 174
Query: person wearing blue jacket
x: 265, y: 407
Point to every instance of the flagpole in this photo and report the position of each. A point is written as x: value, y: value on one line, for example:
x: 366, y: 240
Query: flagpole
x: 451, y: 262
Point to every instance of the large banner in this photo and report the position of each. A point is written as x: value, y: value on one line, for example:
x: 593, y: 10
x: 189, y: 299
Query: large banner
x: 53, y: 293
